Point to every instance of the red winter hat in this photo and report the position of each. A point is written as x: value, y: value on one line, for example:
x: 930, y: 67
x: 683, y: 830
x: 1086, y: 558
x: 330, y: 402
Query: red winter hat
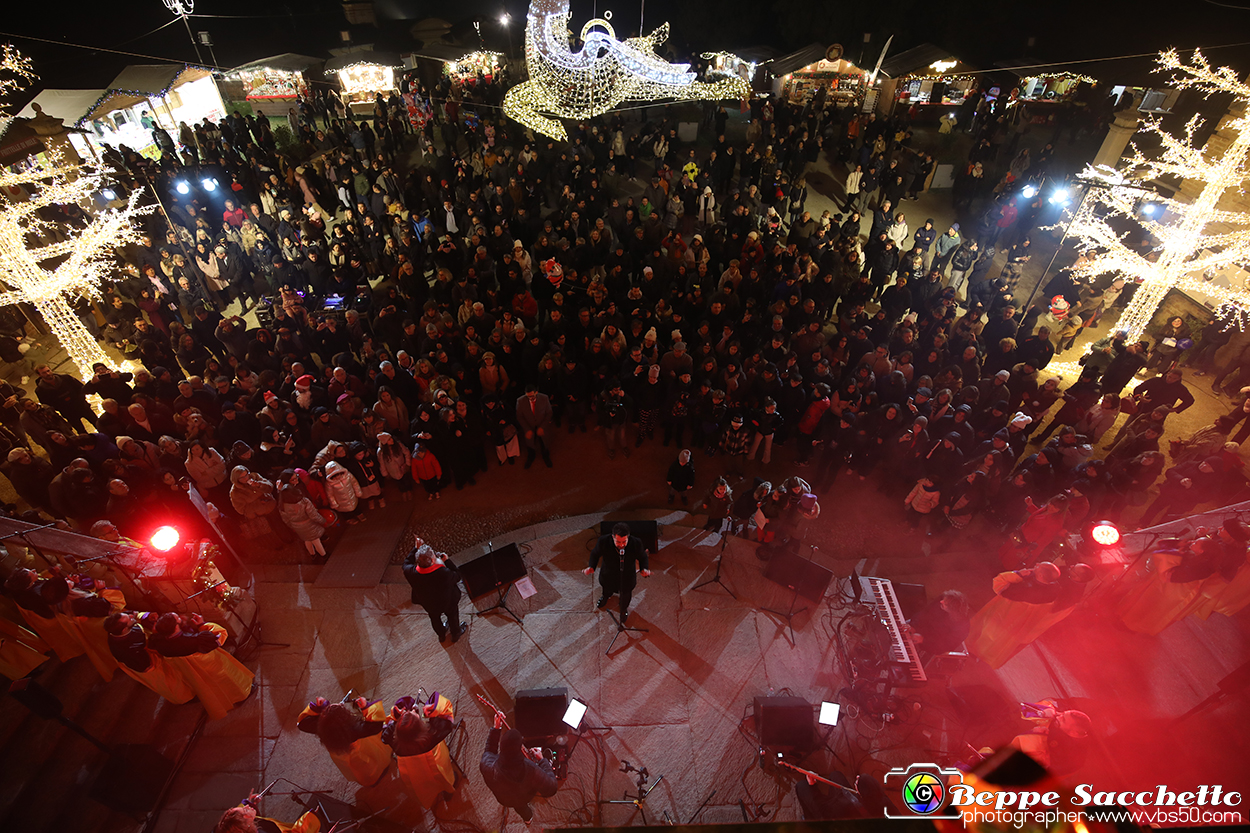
x: 304, y: 381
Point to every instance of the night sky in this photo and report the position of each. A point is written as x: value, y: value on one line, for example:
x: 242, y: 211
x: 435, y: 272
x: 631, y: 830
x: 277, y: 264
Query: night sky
x: 980, y: 32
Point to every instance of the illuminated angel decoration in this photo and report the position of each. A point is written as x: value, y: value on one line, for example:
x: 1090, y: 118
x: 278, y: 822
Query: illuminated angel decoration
x: 601, y: 75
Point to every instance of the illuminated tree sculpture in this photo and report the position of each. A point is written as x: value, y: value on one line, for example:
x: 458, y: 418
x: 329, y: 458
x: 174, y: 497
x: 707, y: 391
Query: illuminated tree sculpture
x: 47, y: 264
x: 1194, y: 238
x: 604, y: 73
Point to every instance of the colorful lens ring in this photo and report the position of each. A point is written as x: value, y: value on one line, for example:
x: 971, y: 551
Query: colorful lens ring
x: 923, y: 793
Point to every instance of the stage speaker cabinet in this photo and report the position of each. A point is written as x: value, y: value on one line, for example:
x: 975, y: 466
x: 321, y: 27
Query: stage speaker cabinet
x: 796, y: 573
x: 540, y: 713
x: 648, y: 531
x: 785, y: 724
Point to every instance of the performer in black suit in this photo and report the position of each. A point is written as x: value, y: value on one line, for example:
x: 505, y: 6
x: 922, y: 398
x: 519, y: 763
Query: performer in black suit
x: 435, y: 587
x: 618, y: 552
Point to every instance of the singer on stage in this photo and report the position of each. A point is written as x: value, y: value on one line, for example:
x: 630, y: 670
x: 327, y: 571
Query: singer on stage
x: 618, y: 552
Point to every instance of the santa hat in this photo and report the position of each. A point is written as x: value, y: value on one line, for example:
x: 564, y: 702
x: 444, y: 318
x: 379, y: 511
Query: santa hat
x: 270, y: 397
x: 304, y: 382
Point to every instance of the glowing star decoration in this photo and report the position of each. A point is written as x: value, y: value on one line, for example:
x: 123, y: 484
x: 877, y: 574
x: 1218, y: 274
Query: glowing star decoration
x: 1192, y: 236
x: 47, y: 264
x: 598, y: 77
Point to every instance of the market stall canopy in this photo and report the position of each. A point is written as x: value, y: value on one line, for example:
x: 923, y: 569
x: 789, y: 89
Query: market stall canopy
x: 382, y: 59
x: 138, y: 82
x: 18, y: 140
x: 67, y: 105
x: 786, y: 64
x: 924, y: 59
x: 287, y: 62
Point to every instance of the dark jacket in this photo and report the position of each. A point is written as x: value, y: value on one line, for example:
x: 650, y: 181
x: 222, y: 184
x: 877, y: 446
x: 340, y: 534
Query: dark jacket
x: 515, y: 783
x: 435, y: 590
x: 618, y: 570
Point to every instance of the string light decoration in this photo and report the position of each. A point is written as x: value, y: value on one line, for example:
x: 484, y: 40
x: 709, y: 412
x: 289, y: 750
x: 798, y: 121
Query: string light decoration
x: 602, y: 74
x: 1196, y: 238
x: 208, y: 579
x: 365, y: 77
x: 47, y: 264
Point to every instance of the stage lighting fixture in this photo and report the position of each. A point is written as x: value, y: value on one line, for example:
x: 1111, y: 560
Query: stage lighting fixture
x: 182, y: 187
x: 108, y: 194
x: 165, y: 538
x: 1104, y: 533
x: 209, y: 184
x: 574, y: 713
x: 1029, y: 192
x: 829, y: 714
x: 1060, y: 196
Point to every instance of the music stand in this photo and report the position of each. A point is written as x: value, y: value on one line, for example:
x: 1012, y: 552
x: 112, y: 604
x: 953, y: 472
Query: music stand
x: 801, y: 576
x: 725, y: 523
x: 496, y: 571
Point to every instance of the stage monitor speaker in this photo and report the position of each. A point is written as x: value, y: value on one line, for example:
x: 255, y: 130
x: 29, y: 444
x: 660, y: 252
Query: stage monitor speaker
x: 797, y: 573
x: 784, y: 724
x: 132, y: 780
x: 648, y: 531
x: 35, y: 697
x: 540, y: 712
x: 492, y: 571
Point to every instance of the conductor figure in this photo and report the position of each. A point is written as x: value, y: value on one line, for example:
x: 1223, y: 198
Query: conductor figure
x: 618, y: 552
x: 435, y: 587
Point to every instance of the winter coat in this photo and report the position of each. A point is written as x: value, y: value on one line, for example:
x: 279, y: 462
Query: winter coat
x: 394, y: 466
x: 342, y: 488
x: 208, y: 471
x: 303, y: 519
x: 923, y: 500
x: 427, y: 467
x: 252, y: 499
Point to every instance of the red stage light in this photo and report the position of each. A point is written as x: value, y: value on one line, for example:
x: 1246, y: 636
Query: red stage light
x: 1105, y: 533
x: 165, y: 538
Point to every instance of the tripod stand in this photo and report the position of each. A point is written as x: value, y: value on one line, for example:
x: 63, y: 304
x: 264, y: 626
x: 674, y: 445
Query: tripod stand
x: 621, y: 627
x: 724, y: 542
x: 639, y: 800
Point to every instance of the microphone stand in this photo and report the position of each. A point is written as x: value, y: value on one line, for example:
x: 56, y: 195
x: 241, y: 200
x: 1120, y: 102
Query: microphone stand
x: 724, y: 542
x: 640, y: 800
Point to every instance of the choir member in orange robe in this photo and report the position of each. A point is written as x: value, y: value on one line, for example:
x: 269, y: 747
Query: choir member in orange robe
x: 1011, y: 619
x: 1177, y: 572
x: 36, y: 600
x: 89, y: 604
x: 417, y: 733
x: 128, y: 644
x: 192, y: 647
x: 352, y: 734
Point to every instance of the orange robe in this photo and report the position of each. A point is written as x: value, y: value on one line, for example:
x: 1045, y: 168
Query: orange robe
x: 161, y: 678
x: 307, y: 823
x: 52, y: 631
x: 90, y: 634
x: 430, y: 774
x: 21, y: 650
x: 369, y: 758
x: 1234, y: 596
x: 999, y: 630
x: 1151, y: 605
x: 218, y: 679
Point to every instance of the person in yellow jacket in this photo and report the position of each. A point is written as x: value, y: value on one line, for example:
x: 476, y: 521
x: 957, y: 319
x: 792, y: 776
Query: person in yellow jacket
x: 352, y: 733
x: 192, y: 647
x: 418, y: 734
x: 243, y: 819
x: 1009, y: 621
x: 128, y: 644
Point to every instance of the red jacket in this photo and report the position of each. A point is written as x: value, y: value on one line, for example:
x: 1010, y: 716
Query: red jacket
x: 811, y: 417
x: 427, y: 467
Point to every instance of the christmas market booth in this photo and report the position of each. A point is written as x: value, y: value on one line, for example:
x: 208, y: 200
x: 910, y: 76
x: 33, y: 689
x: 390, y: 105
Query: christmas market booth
x: 363, y: 75
x: 926, y: 81
x: 818, y: 73
x: 1053, y: 86
x: 146, y: 96
x: 271, y: 85
x: 748, y: 64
